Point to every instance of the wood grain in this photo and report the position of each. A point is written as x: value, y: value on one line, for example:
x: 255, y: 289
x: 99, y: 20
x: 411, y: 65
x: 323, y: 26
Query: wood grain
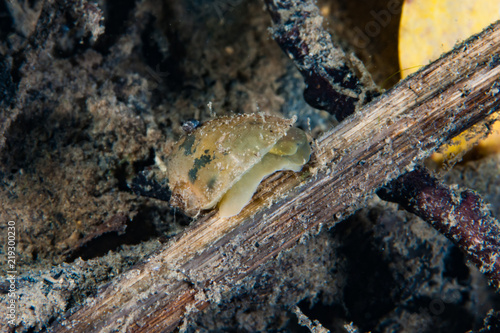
x: 349, y: 163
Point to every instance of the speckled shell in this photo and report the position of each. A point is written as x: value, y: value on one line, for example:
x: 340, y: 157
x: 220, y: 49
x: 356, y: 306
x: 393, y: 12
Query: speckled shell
x: 205, y: 163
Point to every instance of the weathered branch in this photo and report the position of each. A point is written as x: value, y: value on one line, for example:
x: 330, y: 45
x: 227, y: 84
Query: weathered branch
x: 350, y: 162
x: 462, y: 216
x: 335, y: 81
x: 331, y: 77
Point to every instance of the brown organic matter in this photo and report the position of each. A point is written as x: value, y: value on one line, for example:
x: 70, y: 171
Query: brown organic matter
x: 93, y: 97
x: 335, y: 81
x: 406, y: 190
x: 400, y: 128
x: 460, y: 215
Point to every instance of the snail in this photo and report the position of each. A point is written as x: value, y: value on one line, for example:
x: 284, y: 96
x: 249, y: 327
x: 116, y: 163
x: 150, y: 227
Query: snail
x: 224, y: 160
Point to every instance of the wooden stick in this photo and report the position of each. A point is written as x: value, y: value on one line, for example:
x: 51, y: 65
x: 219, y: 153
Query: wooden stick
x: 331, y: 79
x: 349, y: 163
x: 462, y: 216
x: 335, y: 81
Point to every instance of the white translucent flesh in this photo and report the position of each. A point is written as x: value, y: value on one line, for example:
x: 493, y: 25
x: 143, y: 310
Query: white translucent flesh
x: 240, y: 194
x: 291, y: 152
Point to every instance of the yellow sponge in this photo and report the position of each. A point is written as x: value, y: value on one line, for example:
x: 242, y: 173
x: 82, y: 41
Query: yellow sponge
x: 431, y: 27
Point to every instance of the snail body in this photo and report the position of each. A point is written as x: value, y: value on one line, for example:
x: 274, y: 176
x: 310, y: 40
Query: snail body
x: 224, y: 160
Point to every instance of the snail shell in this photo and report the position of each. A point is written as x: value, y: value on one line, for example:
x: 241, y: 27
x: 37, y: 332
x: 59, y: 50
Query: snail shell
x: 225, y: 159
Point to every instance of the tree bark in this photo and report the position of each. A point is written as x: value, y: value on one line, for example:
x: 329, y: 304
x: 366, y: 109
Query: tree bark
x: 332, y: 84
x: 351, y: 161
x: 462, y: 216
